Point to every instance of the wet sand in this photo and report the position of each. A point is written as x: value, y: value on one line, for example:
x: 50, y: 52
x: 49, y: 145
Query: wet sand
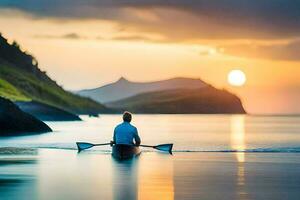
x: 64, y: 174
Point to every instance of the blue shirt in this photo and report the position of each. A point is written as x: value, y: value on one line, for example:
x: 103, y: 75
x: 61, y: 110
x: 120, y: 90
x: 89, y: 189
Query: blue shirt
x: 125, y: 133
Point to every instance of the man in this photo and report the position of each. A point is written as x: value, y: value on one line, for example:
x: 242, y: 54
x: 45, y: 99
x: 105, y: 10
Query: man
x: 125, y: 133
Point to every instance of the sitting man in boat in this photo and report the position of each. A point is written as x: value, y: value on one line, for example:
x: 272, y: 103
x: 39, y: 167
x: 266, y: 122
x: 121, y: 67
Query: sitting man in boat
x: 126, y: 133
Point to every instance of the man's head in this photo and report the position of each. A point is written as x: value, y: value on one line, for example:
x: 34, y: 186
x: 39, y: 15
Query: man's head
x: 127, y: 116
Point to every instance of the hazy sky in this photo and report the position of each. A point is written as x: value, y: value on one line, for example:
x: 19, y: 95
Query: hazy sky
x: 87, y: 43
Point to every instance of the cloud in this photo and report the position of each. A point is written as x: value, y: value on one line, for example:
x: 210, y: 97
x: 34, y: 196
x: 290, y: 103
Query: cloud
x: 77, y: 36
x: 131, y: 37
x: 184, y: 21
x: 73, y: 36
x: 287, y: 51
x: 140, y: 38
x: 208, y: 52
x: 180, y: 20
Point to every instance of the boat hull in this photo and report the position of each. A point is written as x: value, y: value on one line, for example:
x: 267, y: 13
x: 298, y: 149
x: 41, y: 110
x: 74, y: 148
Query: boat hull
x: 124, y: 152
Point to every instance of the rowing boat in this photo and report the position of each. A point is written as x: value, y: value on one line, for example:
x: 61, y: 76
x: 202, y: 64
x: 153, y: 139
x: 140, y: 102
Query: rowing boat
x: 124, y: 152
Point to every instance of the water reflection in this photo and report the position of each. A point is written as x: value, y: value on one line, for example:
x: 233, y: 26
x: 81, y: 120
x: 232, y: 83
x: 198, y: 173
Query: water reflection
x: 237, y: 124
x: 67, y: 175
x: 156, y: 178
x: 125, y: 174
x: 17, y: 177
x: 238, y: 143
x: 152, y: 181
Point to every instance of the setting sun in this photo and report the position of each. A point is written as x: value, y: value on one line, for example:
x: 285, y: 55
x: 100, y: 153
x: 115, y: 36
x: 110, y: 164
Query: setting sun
x: 236, y: 78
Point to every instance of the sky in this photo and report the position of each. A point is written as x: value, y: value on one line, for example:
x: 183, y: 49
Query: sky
x: 87, y: 43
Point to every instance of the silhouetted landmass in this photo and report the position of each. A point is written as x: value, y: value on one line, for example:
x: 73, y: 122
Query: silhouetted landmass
x: 177, y: 95
x: 207, y: 100
x: 15, y: 122
x: 124, y: 88
x: 21, y: 79
x: 46, y: 112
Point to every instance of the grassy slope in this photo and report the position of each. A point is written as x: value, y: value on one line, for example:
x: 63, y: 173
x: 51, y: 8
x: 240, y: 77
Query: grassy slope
x: 10, y: 92
x: 19, y: 84
x: 206, y: 100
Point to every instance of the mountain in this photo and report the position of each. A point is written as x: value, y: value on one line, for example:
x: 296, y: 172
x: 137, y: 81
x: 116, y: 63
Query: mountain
x: 124, y: 88
x: 176, y: 95
x: 46, y: 112
x: 205, y: 100
x: 14, y: 122
x: 22, y: 80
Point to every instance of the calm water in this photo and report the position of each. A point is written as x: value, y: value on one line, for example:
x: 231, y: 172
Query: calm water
x: 216, y: 157
x: 187, y: 132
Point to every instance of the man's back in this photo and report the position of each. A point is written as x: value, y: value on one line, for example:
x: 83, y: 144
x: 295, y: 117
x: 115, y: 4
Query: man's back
x: 125, y: 133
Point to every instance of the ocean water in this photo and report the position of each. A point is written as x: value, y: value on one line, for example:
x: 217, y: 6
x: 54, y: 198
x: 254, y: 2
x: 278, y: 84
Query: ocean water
x: 189, y: 133
x: 215, y: 157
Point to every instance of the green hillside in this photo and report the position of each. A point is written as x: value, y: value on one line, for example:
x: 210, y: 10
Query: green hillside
x: 10, y: 92
x: 208, y: 100
x: 21, y: 79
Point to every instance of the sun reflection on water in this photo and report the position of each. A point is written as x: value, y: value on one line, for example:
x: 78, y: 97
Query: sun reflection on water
x: 156, y: 180
x: 237, y: 123
x: 238, y: 143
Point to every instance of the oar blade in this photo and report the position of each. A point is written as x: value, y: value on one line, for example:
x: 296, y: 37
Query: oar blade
x: 84, y: 145
x: 165, y: 147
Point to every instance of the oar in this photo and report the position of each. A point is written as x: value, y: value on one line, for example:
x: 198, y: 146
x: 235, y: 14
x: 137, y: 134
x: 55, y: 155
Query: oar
x: 161, y: 147
x: 85, y: 145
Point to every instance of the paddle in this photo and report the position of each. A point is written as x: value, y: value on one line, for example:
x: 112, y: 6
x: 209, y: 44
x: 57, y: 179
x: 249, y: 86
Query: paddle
x: 162, y: 147
x: 85, y: 145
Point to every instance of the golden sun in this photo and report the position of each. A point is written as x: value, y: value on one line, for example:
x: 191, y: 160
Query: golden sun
x: 236, y: 77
